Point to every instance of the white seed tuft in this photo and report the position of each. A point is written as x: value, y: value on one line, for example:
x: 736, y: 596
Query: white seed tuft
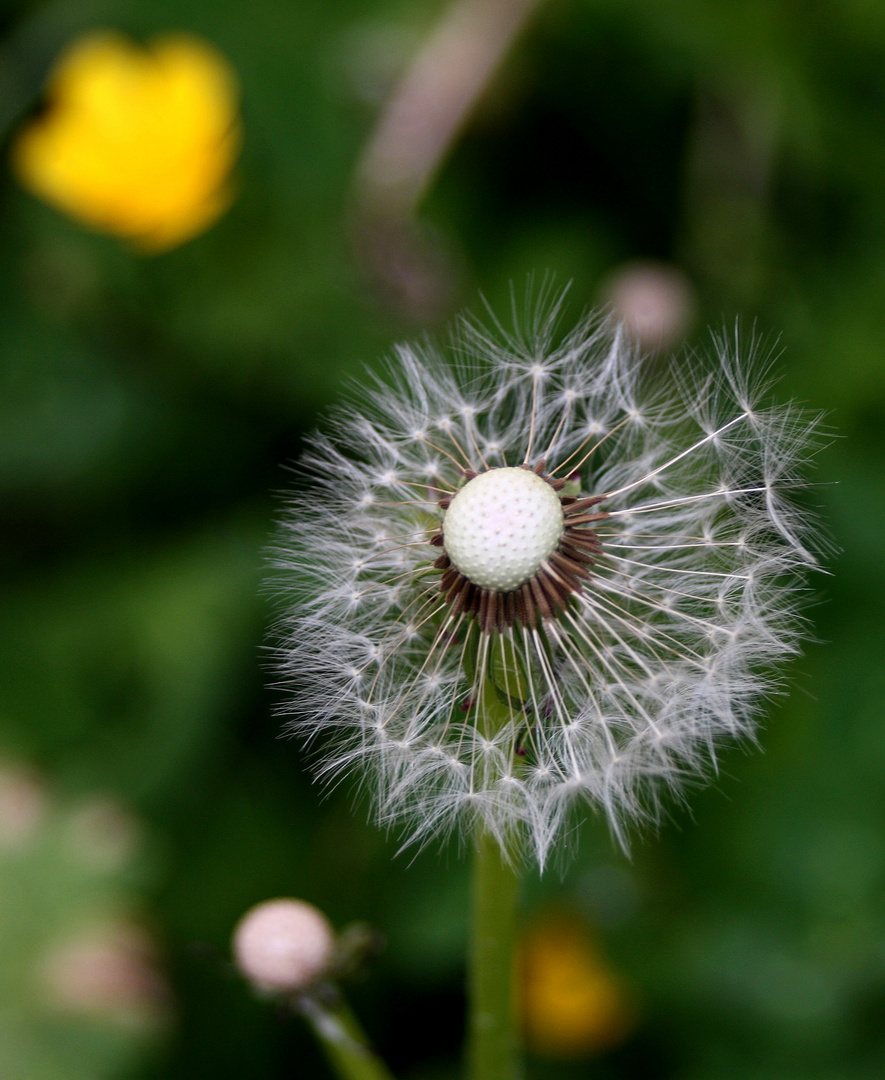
x: 616, y: 627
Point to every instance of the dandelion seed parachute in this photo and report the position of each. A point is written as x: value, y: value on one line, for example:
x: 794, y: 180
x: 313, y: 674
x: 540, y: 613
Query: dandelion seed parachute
x: 491, y: 670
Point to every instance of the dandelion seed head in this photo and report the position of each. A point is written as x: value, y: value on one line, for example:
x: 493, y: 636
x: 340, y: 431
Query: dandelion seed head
x: 576, y: 579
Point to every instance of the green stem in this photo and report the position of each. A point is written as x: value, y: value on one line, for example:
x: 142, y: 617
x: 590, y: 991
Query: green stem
x: 493, y: 1043
x: 343, y: 1040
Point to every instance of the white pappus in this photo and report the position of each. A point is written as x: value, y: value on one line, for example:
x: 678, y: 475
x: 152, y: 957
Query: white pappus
x: 525, y: 574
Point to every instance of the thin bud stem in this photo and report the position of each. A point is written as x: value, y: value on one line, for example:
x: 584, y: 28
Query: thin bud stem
x: 342, y: 1038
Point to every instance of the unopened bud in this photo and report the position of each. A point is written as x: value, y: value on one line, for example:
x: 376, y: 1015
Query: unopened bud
x: 109, y: 972
x: 655, y: 302
x: 22, y: 804
x: 283, y: 945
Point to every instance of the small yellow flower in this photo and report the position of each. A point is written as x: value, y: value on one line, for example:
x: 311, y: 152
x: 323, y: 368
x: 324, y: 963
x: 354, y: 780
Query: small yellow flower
x: 572, y: 1002
x: 136, y: 141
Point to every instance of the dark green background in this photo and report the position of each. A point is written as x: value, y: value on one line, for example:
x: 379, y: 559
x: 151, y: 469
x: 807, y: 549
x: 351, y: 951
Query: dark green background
x: 149, y: 408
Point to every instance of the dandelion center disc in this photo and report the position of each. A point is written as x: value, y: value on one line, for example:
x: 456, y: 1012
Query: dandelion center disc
x: 501, y: 526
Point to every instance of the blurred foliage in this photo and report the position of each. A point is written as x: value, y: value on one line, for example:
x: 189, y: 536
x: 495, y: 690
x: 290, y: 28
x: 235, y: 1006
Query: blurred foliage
x: 148, y: 409
x: 79, y: 990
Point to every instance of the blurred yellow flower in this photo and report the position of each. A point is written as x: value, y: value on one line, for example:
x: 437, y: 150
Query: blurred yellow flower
x: 136, y: 141
x: 572, y: 1002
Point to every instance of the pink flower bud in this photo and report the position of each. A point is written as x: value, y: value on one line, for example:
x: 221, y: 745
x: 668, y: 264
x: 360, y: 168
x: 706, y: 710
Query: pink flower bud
x: 655, y: 302
x: 283, y: 945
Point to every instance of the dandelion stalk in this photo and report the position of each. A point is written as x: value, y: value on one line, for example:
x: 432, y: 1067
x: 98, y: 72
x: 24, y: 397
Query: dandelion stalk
x: 493, y: 1039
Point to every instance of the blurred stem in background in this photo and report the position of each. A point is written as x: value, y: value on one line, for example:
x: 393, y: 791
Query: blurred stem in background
x: 434, y: 98
x: 414, y: 133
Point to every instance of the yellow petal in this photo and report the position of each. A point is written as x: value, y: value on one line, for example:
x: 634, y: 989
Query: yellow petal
x: 572, y: 1002
x: 136, y: 141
